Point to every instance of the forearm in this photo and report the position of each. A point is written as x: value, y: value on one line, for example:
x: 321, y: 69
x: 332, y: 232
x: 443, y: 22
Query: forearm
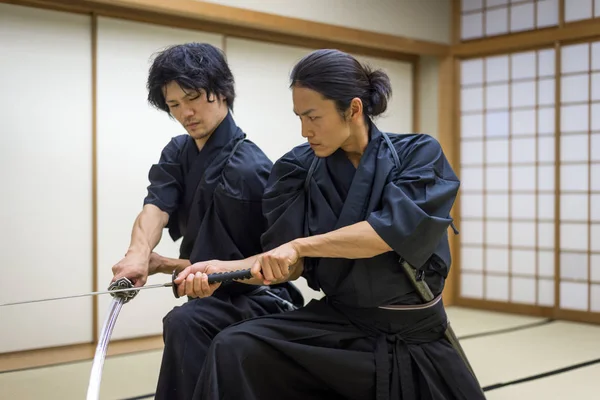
x: 147, y: 230
x: 355, y: 241
x: 168, y: 265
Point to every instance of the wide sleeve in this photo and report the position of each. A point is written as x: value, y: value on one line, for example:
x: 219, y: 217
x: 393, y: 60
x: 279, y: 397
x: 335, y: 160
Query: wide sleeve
x: 166, y: 179
x: 416, y: 202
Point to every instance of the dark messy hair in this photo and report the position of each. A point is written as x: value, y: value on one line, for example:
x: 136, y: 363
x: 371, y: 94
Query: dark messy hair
x: 340, y: 77
x: 194, y: 66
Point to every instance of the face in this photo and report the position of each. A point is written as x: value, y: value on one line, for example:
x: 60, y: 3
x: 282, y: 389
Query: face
x: 193, y: 110
x: 322, y: 124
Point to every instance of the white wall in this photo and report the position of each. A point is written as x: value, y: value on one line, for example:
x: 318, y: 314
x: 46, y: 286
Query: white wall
x: 419, y: 19
x: 45, y: 169
x: 51, y: 108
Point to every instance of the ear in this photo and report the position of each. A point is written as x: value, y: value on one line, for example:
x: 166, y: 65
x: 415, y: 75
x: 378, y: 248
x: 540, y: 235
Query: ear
x: 356, y: 109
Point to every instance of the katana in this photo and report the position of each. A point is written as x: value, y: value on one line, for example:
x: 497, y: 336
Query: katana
x: 114, y: 288
x: 122, y: 291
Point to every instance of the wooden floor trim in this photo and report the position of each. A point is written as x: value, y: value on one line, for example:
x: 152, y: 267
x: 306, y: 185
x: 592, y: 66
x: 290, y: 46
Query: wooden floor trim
x: 75, y: 353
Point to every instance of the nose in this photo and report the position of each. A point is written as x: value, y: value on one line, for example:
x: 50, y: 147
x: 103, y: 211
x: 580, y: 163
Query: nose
x: 187, y: 111
x: 306, y: 132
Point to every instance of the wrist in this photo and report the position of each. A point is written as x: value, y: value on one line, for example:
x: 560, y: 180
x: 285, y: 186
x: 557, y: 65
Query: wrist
x: 138, y: 252
x: 301, y: 247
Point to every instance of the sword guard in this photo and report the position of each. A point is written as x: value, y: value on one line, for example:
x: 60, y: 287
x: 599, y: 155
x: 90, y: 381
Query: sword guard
x: 123, y: 283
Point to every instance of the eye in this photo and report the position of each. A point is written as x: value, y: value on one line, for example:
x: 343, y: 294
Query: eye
x: 173, y: 105
x: 312, y: 118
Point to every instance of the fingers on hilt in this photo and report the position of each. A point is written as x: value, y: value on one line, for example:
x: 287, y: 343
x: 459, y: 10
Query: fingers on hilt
x: 224, y: 277
x: 123, y: 283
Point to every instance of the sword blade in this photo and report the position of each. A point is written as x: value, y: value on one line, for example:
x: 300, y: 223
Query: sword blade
x: 169, y: 284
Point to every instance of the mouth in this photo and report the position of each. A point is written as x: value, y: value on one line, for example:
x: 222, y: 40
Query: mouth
x: 192, y: 125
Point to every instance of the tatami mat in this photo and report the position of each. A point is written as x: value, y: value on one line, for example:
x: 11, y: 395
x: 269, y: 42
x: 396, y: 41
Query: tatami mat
x: 512, y: 347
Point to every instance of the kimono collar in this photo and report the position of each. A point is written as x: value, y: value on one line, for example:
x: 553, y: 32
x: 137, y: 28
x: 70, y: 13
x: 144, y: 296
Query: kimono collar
x: 223, y: 134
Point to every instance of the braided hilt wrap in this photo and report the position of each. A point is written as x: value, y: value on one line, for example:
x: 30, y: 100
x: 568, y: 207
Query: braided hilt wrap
x: 123, y: 283
x: 222, y: 277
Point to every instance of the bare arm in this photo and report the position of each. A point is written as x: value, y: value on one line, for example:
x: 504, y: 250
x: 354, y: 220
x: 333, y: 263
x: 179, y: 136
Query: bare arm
x: 145, y: 235
x: 354, y: 241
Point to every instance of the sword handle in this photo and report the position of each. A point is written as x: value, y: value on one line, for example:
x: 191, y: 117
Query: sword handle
x: 222, y: 277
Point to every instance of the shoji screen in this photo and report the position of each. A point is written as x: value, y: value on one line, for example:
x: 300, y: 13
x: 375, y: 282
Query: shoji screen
x: 507, y: 171
x: 46, y: 174
x: 580, y: 177
x: 131, y: 136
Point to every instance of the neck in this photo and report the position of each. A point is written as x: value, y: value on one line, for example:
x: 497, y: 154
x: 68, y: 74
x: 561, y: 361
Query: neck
x: 356, y: 144
x: 201, y: 142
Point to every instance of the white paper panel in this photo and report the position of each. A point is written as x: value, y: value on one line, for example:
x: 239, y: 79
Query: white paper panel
x: 523, y: 65
x: 595, y: 267
x: 523, y: 94
x: 595, y: 90
x: 596, y: 8
x: 545, y: 206
x: 496, y: 205
x: 574, y: 88
x: 496, y: 151
x: 595, y: 289
x: 496, y: 260
x: 495, y: 3
x: 471, y: 99
x: 595, y: 238
x: 496, y: 178
x: 595, y: 150
x: 471, y: 178
x: 575, y: 58
x: 574, y: 118
x: 545, y: 292
x: 574, y: 177
x: 522, y: 17
x: 595, y: 207
x: 523, y: 290
x: 545, y: 149
x: 471, y: 232
x: 125, y: 120
x: 46, y: 173
x: 523, y: 178
x: 546, y: 263
x: 523, y: 262
x: 471, y: 152
x: 573, y: 296
x: 471, y: 125
x: 470, y: 5
x: 523, y: 122
x: 546, y: 122
x: 547, y: 13
x: 496, y: 21
x: 496, y: 97
x: 523, y: 234
x: 546, y: 235
x: 523, y: 206
x: 496, y: 124
x: 574, y: 207
x: 496, y: 232
x: 595, y: 170
x: 573, y: 236
x: 471, y: 285
x: 523, y: 150
x: 595, y: 117
x: 471, y: 205
x: 573, y: 265
x: 545, y: 177
x: 472, y: 26
x: 496, y: 69
x: 576, y: 10
x: 472, y: 72
x: 471, y: 258
x: 496, y: 288
x: 546, y: 88
x: 574, y: 147
x: 596, y: 52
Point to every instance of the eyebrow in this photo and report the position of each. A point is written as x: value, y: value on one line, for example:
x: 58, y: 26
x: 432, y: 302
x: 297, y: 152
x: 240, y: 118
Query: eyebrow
x: 305, y: 112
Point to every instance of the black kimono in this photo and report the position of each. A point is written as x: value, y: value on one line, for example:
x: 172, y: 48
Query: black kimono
x: 370, y: 337
x: 213, y: 198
